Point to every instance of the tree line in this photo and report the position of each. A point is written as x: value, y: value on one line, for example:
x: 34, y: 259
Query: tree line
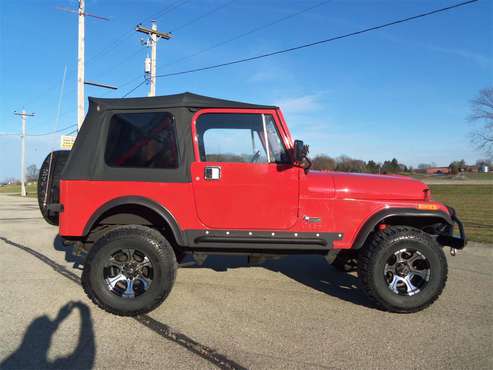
x: 345, y: 163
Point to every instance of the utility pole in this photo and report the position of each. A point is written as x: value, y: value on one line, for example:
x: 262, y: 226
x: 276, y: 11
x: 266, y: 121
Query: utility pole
x: 23, y: 115
x: 153, y: 36
x: 80, y: 57
x: 80, y: 67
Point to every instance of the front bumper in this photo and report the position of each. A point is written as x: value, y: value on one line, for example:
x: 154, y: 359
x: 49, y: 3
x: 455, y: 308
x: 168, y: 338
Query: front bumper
x: 449, y: 240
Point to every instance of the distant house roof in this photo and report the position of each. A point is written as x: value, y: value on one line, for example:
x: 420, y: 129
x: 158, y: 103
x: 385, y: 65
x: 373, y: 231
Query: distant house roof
x: 432, y: 170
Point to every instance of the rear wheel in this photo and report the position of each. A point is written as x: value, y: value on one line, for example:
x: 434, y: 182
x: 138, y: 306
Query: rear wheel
x: 402, y: 269
x: 129, y: 271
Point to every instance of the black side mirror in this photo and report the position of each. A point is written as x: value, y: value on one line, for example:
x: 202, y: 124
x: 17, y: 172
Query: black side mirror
x: 300, y: 150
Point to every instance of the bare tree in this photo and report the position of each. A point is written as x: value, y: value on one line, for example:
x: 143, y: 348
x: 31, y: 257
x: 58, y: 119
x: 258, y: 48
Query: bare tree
x: 482, y: 113
x: 32, y: 173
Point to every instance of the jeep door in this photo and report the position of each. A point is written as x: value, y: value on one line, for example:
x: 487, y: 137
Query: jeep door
x: 242, y: 176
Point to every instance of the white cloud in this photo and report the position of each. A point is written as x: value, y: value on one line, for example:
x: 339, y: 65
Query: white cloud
x: 301, y: 104
x: 481, y: 60
x: 262, y: 77
x: 477, y: 58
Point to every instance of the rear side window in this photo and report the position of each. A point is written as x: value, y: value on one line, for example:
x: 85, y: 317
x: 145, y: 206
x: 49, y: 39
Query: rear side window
x: 142, y: 140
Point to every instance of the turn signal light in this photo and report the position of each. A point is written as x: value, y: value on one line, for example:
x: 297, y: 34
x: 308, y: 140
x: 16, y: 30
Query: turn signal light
x: 428, y: 206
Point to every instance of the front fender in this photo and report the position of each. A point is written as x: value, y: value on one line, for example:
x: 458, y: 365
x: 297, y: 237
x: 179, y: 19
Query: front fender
x: 380, y: 216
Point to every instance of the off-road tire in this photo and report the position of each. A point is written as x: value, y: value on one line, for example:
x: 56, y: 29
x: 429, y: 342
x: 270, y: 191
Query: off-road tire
x: 49, y: 183
x: 346, y: 261
x: 154, y: 245
x: 372, y: 259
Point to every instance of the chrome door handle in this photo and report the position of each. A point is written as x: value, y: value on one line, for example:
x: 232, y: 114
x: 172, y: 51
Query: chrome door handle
x: 212, y: 173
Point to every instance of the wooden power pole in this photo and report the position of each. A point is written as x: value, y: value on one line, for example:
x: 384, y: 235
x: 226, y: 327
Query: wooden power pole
x: 154, y: 36
x: 81, y: 57
x: 23, y: 115
x: 80, y: 67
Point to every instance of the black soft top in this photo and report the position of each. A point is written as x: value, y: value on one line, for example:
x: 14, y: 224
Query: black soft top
x: 186, y: 100
x: 86, y: 160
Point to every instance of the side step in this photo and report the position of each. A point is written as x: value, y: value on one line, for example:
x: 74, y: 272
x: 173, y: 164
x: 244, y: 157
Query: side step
x: 261, y: 240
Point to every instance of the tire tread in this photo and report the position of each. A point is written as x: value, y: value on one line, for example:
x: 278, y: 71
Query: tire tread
x: 147, y: 234
x: 378, y: 241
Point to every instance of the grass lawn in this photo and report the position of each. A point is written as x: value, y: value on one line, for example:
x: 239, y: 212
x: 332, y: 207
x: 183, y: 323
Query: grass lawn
x: 474, y: 206
x: 479, y: 176
x: 31, y: 190
x: 467, y: 176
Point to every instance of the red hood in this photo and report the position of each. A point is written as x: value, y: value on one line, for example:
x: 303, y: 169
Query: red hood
x: 372, y: 187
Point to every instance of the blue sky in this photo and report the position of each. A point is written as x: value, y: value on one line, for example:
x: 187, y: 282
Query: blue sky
x: 399, y: 92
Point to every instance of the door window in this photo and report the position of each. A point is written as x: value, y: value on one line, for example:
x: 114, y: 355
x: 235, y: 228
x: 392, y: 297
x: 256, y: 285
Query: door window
x: 239, y: 137
x: 277, y: 151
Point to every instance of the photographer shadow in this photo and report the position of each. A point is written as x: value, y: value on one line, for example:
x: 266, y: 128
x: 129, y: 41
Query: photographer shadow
x: 33, y: 351
x: 310, y: 270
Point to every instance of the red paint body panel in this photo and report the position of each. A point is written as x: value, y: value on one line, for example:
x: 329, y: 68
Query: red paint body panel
x: 81, y: 199
x: 254, y: 196
x: 247, y: 196
x: 377, y: 187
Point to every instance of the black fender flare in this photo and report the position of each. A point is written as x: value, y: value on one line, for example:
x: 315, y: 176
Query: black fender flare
x: 379, y: 216
x: 141, y: 201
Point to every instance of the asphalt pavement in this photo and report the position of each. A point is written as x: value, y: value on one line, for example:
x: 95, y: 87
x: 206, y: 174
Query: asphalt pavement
x: 295, y: 312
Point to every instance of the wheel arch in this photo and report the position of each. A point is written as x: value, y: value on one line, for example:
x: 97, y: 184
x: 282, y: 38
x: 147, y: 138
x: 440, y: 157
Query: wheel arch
x: 135, y: 210
x: 400, y: 216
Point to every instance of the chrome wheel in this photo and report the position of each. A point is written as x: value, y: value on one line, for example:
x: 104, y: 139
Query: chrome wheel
x: 407, y: 272
x: 128, y: 273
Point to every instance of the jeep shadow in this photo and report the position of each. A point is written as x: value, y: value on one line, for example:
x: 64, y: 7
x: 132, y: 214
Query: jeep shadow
x: 310, y: 270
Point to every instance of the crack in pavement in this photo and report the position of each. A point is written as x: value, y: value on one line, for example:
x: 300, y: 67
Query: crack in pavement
x: 159, y: 328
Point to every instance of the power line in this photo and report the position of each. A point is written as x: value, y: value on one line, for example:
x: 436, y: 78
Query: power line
x: 72, y: 132
x: 303, y: 46
x: 9, y: 134
x: 135, y: 88
x: 168, y: 9
x: 173, y: 6
x: 249, y: 32
x: 43, y: 134
x: 244, y: 34
x: 184, y: 25
x: 212, y: 11
x: 55, y: 131
x: 113, y: 44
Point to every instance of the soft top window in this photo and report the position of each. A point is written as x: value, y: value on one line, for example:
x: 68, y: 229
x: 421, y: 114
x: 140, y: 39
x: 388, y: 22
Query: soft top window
x: 142, y: 140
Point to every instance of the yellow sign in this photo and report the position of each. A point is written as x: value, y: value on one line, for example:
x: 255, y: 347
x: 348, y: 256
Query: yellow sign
x: 67, y: 142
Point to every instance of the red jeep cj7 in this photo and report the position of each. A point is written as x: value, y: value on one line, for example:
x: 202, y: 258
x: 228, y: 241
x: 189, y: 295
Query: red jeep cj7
x: 150, y: 180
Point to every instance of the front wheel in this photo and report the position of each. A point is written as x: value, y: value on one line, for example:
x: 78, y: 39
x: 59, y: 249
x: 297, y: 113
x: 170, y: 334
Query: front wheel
x: 129, y: 271
x: 402, y: 269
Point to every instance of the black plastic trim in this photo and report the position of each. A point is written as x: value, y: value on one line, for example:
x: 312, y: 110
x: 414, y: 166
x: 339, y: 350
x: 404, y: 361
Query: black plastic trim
x: 141, y: 201
x: 378, y: 217
x: 451, y: 240
x: 260, y: 240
